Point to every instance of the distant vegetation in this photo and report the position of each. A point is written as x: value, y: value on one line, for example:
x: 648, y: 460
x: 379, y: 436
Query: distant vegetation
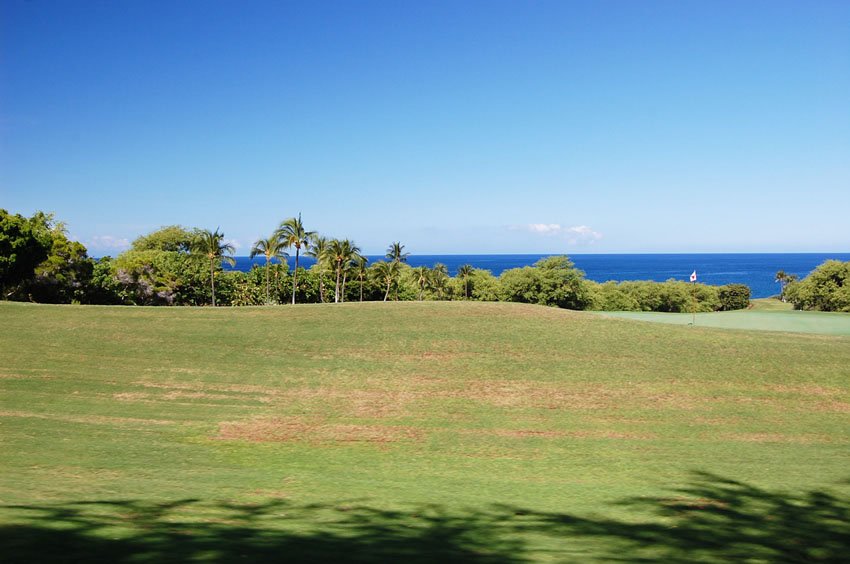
x: 179, y: 266
x: 825, y: 289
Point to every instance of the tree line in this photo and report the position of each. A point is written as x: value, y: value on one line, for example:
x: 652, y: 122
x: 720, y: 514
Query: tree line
x: 179, y: 266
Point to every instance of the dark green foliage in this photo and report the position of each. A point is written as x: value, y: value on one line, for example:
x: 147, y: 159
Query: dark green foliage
x: 64, y: 276
x: 825, y: 289
x: 734, y: 296
x: 24, y: 244
x: 39, y: 263
x: 552, y: 281
x: 103, y: 287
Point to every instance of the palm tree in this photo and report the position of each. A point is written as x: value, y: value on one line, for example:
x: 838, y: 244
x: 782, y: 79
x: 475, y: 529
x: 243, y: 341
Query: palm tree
x: 271, y: 248
x: 319, y: 250
x: 386, y: 272
x: 784, y: 279
x: 439, y: 277
x: 465, y: 271
x: 341, y: 253
x: 212, y: 246
x: 353, y: 257
x: 292, y: 234
x: 395, y: 252
x: 360, y: 271
x: 421, y: 275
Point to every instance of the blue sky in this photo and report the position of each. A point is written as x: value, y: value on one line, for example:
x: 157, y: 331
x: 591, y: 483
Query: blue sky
x: 454, y: 127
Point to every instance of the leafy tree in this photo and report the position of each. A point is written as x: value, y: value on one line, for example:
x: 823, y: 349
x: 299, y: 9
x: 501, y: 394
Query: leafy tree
x: 386, y: 273
x: 172, y: 238
x: 103, y: 287
x: 64, y: 276
x: 24, y: 244
x: 827, y: 288
x: 271, y: 248
x: 159, y: 269
x: 293, y: 234
x: 212, y: 246
x: 552, y: 281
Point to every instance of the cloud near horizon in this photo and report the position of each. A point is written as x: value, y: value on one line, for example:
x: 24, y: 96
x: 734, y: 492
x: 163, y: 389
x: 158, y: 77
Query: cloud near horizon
x: 577, y: 234
x: 108, y: 242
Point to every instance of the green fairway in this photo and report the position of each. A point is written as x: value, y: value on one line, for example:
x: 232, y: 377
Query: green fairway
x: 442, y: 431
x: 766, y: 315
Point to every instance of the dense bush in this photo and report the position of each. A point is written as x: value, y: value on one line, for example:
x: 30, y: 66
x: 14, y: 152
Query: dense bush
x: 24, y: 243
x: 827, y: 288
x: 552, y: 281
x: 734, y: 296
x: 674, y: 296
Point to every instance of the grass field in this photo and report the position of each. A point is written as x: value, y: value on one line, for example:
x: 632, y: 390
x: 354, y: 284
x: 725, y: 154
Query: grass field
x: 418, y: 432
x: 765, y: 315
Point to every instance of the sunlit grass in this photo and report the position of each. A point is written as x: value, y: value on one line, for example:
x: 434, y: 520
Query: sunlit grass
x: 398, y: 406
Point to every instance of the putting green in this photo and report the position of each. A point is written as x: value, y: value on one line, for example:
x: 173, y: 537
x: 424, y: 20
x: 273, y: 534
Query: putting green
x: 760, y: 320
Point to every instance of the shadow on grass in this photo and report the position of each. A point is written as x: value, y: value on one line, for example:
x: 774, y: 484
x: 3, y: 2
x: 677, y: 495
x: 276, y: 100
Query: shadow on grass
x: 711, y: 519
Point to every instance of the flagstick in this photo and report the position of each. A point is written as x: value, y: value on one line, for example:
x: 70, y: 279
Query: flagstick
x: 694, y: 309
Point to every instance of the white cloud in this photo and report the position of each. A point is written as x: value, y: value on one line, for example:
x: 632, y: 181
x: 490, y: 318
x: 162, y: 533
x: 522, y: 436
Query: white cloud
x: 108, y: 242
x: 234, y: 242
x: 575, y: 235
x: 546, y: 228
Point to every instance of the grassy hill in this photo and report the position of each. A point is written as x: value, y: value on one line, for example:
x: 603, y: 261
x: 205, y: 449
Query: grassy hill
x: 417, y: 431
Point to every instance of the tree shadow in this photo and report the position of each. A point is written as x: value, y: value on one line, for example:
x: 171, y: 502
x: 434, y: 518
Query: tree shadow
x: 712, y: 519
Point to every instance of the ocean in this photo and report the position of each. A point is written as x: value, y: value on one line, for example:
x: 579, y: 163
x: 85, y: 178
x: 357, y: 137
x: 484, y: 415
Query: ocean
x: 756, y: 270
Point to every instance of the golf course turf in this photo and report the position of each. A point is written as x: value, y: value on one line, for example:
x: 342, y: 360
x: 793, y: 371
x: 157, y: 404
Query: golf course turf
x: 436, y: 431
x: 767, y: 314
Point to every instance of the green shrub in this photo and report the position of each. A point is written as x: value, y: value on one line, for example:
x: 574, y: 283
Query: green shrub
x: 734, y: 296
x: 827, y: 288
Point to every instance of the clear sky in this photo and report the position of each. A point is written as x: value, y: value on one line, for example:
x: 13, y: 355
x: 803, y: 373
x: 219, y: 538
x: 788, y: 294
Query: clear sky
x: 452, y: 126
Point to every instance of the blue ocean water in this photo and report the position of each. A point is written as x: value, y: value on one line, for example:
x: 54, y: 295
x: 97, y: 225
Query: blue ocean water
x: 756, y: 270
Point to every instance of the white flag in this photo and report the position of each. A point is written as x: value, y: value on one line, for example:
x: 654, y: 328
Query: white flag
x: 694, y: 276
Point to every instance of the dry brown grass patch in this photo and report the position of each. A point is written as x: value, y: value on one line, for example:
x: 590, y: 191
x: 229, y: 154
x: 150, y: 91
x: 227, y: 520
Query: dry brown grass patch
x: 776, y: 438
x: 88, y: 419
x: 312, y: 431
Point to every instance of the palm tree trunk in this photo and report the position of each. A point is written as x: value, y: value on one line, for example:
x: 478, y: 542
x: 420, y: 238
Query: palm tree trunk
x: 267, y: 280
x: 361, y: 288
x: 466, y: 288
x: 295, y: 276
x: 212, y: 282
x: 344, y: 276
x: 388, y: 290
x: 336, y: 288
x: 420, y: 292
x: 322, y: 286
